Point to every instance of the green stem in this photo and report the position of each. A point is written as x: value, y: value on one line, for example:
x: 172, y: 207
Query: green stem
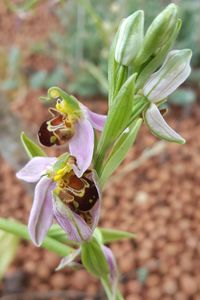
x: 20, y: 230
x: 108, y: 290
x: 138, y: 108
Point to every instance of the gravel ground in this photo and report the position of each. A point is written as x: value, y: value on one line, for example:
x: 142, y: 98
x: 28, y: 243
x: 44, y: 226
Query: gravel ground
x: 158, y: 201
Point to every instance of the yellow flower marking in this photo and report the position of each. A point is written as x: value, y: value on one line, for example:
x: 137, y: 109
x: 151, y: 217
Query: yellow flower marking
x: 61, y: 172
x: 54, y: 93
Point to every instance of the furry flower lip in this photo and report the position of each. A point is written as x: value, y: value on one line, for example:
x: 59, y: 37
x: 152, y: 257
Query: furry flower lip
x: 74, y: 202
x: 74, y: 123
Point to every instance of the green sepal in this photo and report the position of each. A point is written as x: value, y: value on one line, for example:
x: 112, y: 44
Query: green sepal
x: 8, y: 249
x: 70, y: 101
x: 93, y: 258
x: 118, y: 117
x: 110, y: 235
x: 120, y: 150
x: 31, y: 148
x: 61, y: 162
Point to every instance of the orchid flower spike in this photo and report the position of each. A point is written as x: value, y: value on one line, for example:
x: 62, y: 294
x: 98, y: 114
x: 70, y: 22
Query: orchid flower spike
x: 59, y: 194
x: 71, y: 122
x: 160, y: 85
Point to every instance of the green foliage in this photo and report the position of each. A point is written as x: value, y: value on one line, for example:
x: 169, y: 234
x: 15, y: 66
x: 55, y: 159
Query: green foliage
x: 120, y: 150
x: 31, y: 148
x: 118, y: 118
x: 8, y: 249
x: 111, y: 235
x: 94, y: 259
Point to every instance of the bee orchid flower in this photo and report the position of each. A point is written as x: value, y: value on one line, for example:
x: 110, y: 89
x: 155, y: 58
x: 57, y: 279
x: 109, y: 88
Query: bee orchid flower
x: 74, y: 202
x: 160, y: 85
x: 71, y: 122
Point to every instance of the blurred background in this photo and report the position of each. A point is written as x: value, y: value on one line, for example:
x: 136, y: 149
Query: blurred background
x: 155, y: 192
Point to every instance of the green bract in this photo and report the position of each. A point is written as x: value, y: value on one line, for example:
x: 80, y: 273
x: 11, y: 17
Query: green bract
x: 120, y: 150
x: 118, y: 117
x: 94, y: 259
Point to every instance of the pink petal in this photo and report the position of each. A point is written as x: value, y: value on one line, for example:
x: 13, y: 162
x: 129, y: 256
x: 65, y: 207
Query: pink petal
x: 97, y: 120
x: 76, y: 228
x: 113, y: 268
x: 82, y: 145
x: 41, y: 215
x: 95, y: 211
x: 35, y: 168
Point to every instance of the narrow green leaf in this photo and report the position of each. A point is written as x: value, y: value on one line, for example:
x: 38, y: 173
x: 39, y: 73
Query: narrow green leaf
x: 93, y: 258
x: 111, y: 235
x: 120, y: 150
x: 118, y: 118
x: 8, y: 249
x: 20, y: 230
x: 30, y: 147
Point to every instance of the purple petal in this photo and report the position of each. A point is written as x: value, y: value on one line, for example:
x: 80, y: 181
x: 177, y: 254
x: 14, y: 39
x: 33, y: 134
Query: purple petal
x: 113, y: 268
x: 97, y: 120
x: 68, y: 261
x: 82, y: 145
x: 41, y: 216
x: 95, y: 211
x: 35, y: 168
x: 76, y: 228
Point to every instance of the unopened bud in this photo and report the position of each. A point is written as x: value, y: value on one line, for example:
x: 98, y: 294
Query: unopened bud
x: 130, y: 38
x: 158, y: 33
x: 173, y: 73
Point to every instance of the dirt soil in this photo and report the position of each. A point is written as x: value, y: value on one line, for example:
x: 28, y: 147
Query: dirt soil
x: 159, y: 201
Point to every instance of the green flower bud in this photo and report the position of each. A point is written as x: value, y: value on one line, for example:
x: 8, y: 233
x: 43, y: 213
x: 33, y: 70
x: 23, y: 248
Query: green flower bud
x: 158, y: 33
x: 130, y: 38
x: 93, y: 258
